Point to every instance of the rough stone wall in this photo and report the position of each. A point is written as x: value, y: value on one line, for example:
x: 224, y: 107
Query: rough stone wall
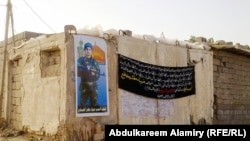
x: 231, y: 88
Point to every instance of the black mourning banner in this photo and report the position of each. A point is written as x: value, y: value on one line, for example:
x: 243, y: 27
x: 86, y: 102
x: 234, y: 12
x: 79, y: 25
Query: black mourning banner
x: 155, y: 81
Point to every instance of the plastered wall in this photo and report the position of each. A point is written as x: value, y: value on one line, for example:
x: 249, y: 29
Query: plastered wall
x: 186, y: 110
x: 36, y: 84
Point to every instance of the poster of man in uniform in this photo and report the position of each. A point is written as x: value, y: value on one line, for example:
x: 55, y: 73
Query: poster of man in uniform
x: 91, y: 76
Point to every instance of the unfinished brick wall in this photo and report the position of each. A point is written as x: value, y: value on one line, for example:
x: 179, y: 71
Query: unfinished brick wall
x: 16, y: 96
x: 231, y: 88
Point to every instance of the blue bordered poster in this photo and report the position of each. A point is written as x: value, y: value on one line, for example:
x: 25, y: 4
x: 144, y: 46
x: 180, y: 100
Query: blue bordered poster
x: 91, y: 76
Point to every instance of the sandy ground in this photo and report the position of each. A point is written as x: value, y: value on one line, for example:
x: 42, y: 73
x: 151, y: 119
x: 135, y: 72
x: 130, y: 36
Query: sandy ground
x: 9, y: 134
x: 19, y: 138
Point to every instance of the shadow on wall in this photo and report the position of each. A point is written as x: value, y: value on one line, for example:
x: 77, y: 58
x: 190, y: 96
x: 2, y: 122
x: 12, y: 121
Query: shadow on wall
x: 201, y: 121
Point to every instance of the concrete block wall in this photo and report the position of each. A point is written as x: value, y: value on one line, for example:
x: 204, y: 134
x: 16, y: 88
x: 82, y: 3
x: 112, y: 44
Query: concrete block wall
x: 231, y: 88
x: 16, y: 97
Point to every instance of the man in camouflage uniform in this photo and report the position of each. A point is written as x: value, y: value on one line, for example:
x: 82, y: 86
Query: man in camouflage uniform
x: 89, y: 71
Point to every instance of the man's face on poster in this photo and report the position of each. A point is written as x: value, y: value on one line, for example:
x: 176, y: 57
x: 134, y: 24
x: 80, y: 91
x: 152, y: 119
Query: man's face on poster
x: 87, y: 52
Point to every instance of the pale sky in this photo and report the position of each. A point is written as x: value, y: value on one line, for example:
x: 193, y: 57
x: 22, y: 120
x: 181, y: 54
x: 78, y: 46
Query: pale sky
x: 227, y: 20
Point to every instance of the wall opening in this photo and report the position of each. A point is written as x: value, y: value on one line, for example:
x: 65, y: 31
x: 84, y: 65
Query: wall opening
x: 50, y: 62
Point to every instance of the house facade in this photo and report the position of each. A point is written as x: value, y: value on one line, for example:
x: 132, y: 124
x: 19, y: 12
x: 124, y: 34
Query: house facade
x: 39, y: 87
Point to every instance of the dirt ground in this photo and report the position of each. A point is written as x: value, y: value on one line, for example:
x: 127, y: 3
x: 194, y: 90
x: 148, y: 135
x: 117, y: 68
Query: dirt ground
x: 10, y: 134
